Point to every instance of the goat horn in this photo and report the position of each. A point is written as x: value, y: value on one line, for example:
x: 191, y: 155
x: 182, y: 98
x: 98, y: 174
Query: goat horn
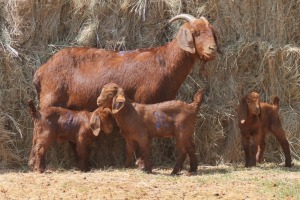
x: 187, y: 17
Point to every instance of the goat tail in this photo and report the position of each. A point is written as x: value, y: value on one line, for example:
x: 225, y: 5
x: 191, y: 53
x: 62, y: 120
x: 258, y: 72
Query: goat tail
x: 198, y: 97
x: 32, y: 109
x: 276, y: 103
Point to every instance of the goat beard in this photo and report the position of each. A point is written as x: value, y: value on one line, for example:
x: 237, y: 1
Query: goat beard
x: 202, y: 70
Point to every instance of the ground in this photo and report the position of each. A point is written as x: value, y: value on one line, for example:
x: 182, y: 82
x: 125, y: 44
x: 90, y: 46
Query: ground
x: 267, y: 181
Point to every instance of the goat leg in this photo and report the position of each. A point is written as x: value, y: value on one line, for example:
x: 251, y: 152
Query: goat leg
x: 181, y: 157
x: 83, y: 154
x: 247, y: 150
x: 261, y: 150
x: 145, y: 153
x: 179, y: 163
x: 280, y: 135
x: 139, y: 161
x: 129, y: 153
x: 191, y: 150
x: 74, y: 150
x: 40, y: 164
x: 32, y: 157
x: 254, y: 148
x: 287, y: 153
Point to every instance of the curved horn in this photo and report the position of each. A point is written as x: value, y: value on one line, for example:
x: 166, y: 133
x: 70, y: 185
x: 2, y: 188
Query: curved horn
x: 187, y: 17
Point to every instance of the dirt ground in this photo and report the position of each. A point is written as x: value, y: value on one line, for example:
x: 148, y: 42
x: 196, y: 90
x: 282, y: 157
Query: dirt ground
x: 267, y: 181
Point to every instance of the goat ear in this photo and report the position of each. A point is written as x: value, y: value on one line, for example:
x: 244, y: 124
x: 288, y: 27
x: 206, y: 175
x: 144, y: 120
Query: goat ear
x: 118, y: 102
x: 95, y: 122
x: 242, y: 111
x: 185, y: 40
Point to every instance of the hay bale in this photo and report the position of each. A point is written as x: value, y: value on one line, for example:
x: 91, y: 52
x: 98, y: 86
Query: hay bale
x: 260, y: 40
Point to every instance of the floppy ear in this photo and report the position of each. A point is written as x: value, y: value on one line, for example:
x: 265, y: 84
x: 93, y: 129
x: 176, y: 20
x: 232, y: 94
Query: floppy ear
x: 118, y: 101
x: 185, y: 40
x: 95, y: 122
x: 242, y: 111
x: 107, y: 121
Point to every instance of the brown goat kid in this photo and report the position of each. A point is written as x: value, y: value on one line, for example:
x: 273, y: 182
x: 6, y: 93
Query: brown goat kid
x: 78, y: 127
x: 74, y: 77
x: 256, y: 119
x: 139, y: 123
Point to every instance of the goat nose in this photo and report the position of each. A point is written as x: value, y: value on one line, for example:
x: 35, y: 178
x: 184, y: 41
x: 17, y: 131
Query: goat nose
x: 98, y: 103
x: 257, y: 110
x: 212, y: 48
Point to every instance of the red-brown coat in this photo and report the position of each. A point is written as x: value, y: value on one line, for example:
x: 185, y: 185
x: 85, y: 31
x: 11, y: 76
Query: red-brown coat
x: 256, y: 119
x: 77, y: 127
x: 140, y: 122
x: 74, y: 77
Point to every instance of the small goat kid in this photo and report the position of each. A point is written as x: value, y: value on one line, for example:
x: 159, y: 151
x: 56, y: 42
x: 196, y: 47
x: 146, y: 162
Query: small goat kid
x: 255, y: 120
x: 139, y: 123
x: 78, y: 127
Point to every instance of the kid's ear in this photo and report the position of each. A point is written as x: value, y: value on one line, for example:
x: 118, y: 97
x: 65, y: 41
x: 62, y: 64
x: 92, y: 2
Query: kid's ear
x: 95, y: 123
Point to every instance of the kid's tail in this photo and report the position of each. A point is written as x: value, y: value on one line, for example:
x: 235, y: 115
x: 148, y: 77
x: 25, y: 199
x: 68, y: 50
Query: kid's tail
x: 198, y: 97
x: 276, y: 103
x: 32, y: 110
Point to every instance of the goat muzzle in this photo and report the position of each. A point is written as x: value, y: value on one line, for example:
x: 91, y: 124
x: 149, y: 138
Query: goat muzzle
x: 257, y: 110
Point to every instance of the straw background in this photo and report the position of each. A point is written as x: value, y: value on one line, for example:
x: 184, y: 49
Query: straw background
x: 260, y: 41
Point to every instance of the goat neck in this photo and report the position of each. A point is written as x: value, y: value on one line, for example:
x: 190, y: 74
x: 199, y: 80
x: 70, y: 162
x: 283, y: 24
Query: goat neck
x: 251, y: 118
x: 125, y: 115
x: 181, y: 63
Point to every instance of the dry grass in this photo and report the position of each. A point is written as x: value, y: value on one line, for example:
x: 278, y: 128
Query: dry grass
x: 222, y: 182
x: 260, y: 41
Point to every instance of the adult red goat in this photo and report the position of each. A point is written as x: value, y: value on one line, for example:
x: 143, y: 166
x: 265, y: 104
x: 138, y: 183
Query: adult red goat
x: 74, y: 77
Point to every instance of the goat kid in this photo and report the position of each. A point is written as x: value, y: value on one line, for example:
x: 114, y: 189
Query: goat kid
x: 78, y: 127
x: 139, y: 123
x: 256, y: 119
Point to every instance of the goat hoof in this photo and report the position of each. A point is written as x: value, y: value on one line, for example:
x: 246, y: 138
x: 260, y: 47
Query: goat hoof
x: 85, y: 170
x: 289, y: 164
x: 191, y: 174
x: 148, y: 171
x: 176, y: 173
x: 41, y: 170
